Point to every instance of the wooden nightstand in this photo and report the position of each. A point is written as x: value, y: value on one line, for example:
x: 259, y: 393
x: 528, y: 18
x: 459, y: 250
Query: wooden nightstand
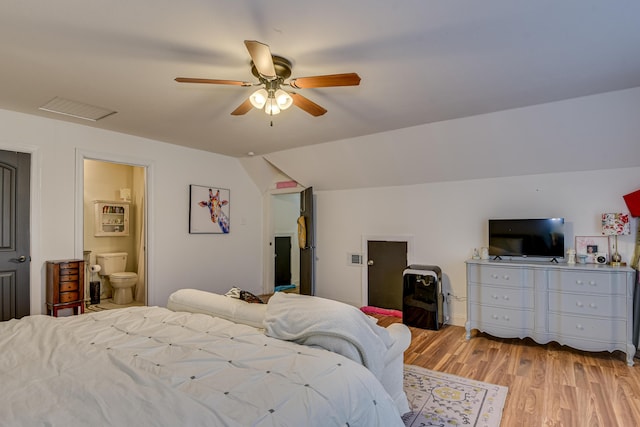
x: 65, y: 286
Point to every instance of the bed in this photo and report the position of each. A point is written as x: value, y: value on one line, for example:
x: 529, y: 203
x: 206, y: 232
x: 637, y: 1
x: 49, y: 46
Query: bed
x: 191, y: 365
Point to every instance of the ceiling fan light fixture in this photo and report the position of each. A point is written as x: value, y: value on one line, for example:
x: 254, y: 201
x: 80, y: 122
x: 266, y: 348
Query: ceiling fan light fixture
x: 283, y: 99
x: 271, y: 107
x: 272, y: 72
x: 259, y: 98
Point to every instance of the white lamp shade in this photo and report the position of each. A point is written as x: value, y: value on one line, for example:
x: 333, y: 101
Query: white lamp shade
x: 283, y: 99
x: 615, y: 224
x: 259, y: 98
x: 271, y: 107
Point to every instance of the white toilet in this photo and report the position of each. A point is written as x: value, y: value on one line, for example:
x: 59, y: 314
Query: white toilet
x: 113, y: 265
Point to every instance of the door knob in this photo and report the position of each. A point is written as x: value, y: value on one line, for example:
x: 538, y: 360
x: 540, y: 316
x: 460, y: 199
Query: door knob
x: 370, y: 262
x: 19, y: 259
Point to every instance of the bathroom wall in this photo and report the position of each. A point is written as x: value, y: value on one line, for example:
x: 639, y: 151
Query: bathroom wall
x: 103, y: 181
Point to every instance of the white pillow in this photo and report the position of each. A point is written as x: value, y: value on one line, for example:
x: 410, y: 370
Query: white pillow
x: 235, y: 310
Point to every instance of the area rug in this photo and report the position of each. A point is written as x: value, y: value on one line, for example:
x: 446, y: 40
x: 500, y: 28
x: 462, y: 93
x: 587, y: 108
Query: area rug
x: 439, y: 399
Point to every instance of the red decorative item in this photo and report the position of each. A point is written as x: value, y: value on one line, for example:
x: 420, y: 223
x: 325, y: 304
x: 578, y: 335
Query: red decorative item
x: 633, y: 202
x: 286, y: 184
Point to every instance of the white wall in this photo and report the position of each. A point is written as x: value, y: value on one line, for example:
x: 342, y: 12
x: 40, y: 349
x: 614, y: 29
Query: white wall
x: 447, y: 220
x: 177, y: 259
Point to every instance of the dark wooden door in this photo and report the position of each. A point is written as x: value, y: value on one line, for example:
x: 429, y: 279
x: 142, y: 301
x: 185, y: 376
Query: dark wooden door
x: 386, y: 261
x: 282, y: 274
x: 14, y: 234
x: 307, y: 254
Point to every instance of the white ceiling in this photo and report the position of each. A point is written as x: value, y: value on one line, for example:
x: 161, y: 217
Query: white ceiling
x: 421, y: 61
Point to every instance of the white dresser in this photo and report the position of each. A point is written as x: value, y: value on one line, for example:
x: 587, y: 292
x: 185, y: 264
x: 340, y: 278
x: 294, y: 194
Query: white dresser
x: 587, y: 307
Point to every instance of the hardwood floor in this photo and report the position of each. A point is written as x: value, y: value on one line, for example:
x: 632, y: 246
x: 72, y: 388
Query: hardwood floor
x: 549, y: 385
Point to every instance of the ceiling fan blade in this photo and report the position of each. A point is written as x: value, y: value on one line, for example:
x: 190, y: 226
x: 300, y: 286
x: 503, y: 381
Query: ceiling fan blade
x: 346, y: 79
x: 212, y: 81
x: 262, y: 59
x: 307, y: 105
x: 244, y: 108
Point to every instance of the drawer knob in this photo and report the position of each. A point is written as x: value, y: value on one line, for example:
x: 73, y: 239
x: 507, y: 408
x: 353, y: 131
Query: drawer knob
x: 506, y: 277
x: 494, y: 296
x: 506, y: 318
x: 592, y: 283
x: 506, y: 297
x: 495, y: 276
x: 579, y: 326
x: 579, y: 304
x: 579, y: 282
x: 495, y: 317
x: 592, y: 305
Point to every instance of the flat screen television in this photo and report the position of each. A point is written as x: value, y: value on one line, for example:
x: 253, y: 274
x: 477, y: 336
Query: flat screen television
x: 543, y: 237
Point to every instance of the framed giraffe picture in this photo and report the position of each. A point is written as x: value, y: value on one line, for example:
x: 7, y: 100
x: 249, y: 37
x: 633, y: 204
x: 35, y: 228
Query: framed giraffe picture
x: 208, y: 210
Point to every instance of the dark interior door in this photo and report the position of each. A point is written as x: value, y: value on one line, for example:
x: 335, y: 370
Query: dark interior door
x: 14, y: 234
x: 307, y: 252
x: 386, y: 263
x: 282, y: 274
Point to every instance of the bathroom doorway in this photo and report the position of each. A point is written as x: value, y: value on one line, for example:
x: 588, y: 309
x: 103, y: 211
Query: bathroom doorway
x: 114, y: 183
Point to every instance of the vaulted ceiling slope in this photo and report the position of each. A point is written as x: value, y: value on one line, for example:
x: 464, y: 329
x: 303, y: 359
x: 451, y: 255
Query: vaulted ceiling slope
x: 421, y: 62
x: 581, y: 134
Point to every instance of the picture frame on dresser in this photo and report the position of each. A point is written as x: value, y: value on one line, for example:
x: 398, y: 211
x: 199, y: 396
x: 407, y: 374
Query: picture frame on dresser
x: 590, y: 246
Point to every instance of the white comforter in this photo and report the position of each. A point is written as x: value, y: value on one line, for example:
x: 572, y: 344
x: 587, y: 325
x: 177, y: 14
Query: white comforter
x: 328, y: 324
x: 148, y: 366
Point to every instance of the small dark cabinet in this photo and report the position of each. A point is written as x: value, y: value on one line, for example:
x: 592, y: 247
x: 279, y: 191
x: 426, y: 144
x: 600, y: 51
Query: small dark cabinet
x: 65, y: 286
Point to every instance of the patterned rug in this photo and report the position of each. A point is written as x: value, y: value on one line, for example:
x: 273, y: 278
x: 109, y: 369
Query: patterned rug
x: 439, y: 399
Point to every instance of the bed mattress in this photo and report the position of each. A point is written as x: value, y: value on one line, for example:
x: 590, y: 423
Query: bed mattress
x: 149, y: 366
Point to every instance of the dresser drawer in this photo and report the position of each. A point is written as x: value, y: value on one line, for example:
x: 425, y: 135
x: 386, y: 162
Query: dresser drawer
x: 497, y: 275
x: 588, y: 328
x: 69, y: 286
x: 69, y: 277
x: 510, y: 297
x: 69, y: 296
x: 485, y: 316
x: 586, y: 282
x: 66, y: 267
x: 588, y: 304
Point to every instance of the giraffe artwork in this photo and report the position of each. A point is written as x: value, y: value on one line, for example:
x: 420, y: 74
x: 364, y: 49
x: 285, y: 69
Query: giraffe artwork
x: 209, y: 210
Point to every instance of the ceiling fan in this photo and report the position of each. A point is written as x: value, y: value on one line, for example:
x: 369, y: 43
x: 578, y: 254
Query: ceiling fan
x: 272, y: 72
